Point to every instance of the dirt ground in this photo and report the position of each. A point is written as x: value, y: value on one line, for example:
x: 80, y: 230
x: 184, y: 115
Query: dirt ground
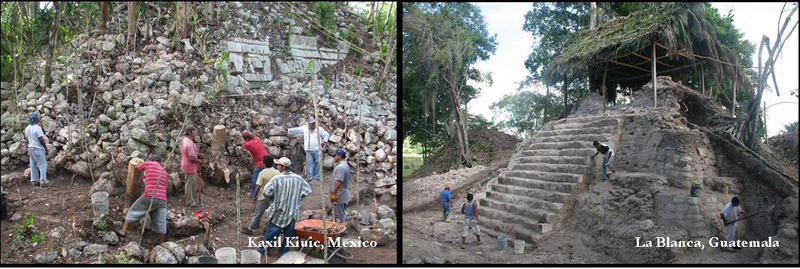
x: 65, y: 199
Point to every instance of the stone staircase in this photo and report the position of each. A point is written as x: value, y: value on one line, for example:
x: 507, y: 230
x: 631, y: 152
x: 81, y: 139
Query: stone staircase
x: 536, y: 193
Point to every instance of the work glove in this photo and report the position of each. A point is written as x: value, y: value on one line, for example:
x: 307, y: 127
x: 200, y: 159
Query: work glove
x: 333, y: 197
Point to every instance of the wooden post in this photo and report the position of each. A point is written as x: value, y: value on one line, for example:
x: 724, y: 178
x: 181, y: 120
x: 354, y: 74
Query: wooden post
x: 733, y: 105
x: 603, y: 87
x: 653, y: 72
x: 702, y: 80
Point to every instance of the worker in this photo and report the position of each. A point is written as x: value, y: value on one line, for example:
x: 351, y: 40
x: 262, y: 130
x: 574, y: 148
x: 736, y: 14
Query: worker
x: 37, y: 150
x: 311, y: 145
x: 341, y: 179
x: 729, y: 216
x: 446, y: 202
x: 153, y: 198
x: 260, y: 199
x: 190, y: 164
x: 286, y: 189
x: 253, y: 144
x: 608, y: 157
x: 470, y: 211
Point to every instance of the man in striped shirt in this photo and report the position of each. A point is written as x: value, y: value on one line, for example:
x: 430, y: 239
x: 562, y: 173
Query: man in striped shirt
x: 286, y: 189
x: 156, y: 181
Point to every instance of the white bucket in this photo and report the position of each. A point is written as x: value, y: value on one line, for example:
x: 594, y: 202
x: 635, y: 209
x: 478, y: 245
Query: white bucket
x: 226, y: 255
x: 519, y: 246
x: 502, y: 242
x: 250, y: 256
x: 100, y: 203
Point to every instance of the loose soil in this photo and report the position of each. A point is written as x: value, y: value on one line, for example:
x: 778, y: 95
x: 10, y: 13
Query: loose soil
x: 65, y: 199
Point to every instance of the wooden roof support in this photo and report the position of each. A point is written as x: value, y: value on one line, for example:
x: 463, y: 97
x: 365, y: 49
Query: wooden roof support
x: 648, y: 59
x: 629, y: 65
x: 662, y: 72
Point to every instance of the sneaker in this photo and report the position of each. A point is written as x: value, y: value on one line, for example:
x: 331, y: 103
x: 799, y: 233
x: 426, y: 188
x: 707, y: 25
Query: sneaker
x: 462, y: 246
x: 44, y: 185
x: 34, y: 183
x: 604, y: 179
x: 247, y: 231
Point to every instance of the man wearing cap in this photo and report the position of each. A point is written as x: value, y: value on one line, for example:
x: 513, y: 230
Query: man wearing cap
x: 189, y: 166
x: 729, y: 216
x: 260, y: 199
x: 447, y: 203
x: 341, y: 178
x: 286, y: 189
x: 37, y: 150
x: 311, y: 145
x: 153, y: 198
x: 253, y: 144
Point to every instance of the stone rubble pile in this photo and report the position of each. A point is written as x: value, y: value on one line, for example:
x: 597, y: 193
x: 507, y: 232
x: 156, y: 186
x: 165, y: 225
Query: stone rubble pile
x: 105, y: 107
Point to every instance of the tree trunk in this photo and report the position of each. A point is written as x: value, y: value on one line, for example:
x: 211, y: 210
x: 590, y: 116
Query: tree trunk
x: 390, y: 52
x: 460, y: 122
x: 733, y: 105
x: 371, y: 11
x: 131, y: 23
x: 593, y: 16
x: 653, y: 72
x: 388, y: 15
x: 546, y: 103
x: 181, y: 16
x: 564, y: 86
x: 53, y: 39
x: 104, y: 15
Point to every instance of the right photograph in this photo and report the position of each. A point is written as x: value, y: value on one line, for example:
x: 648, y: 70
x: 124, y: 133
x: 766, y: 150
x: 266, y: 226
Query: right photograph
x: 599, y: 133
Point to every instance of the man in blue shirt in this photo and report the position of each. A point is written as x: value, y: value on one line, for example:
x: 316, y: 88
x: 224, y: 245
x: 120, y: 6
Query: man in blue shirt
x: 447, y: 203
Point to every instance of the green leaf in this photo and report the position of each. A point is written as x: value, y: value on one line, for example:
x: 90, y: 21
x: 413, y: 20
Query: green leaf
x: 309, y: 67
x: 221, y: 66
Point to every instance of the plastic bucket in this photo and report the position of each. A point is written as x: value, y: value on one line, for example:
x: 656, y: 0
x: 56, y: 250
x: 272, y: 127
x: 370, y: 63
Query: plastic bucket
x: 250, y: 256
x: 206, y: 260
x: 226, y: 255
x: 502, y: 242
x: 695, y: 190
x: 519, y: 246
x: 100, y: 203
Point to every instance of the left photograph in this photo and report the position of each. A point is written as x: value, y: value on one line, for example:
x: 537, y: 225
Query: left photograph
x: 198, y: 133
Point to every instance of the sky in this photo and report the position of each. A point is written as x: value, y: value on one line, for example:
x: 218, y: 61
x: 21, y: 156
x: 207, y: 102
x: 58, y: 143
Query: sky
x: 514, y: 45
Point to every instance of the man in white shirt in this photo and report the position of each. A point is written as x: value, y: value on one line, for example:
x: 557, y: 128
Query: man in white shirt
x: 729, y: 215
x: 37, y: 150
x: 312, y: 146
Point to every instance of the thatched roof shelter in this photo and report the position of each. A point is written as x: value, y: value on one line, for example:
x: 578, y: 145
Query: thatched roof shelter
x: 621, y: 50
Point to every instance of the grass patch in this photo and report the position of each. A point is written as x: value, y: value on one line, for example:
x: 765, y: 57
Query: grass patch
x: 411, y: 162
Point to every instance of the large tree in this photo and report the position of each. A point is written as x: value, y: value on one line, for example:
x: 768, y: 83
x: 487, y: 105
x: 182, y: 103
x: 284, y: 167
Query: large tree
x: 441, y: 41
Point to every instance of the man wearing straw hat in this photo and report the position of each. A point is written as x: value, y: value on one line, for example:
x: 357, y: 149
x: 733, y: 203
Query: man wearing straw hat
x: 286, y: 189
x: 154, y: 196
x: 311, y: 145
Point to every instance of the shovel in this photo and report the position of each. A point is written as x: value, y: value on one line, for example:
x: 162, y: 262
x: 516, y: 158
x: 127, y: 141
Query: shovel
x: 769, y: 209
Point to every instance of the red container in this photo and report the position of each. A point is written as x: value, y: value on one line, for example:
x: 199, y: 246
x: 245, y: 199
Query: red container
x: 302, y: 229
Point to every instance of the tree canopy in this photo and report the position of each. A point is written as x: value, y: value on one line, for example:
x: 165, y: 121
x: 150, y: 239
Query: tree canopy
x: 440, y: 40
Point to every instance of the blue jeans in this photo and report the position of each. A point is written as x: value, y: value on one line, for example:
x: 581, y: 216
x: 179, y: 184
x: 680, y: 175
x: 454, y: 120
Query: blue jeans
x: 340, y: 211
x: 255, y: 178
x: 446, y: 209
x: 312, y: 162
x: 38, y: 164
x: 610, y: 162
x: 272, y: 234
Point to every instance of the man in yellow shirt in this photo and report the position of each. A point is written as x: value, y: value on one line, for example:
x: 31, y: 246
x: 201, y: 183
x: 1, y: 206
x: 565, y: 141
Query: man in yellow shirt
x: 260, y: 200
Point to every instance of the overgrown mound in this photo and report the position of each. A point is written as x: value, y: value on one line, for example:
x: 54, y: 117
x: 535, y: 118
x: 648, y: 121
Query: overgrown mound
x: 488, y: 146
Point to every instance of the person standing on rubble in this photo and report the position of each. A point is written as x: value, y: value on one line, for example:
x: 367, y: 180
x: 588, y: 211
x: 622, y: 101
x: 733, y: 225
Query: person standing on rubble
x: 470, y: 211
x: 253, y: 144
x: 341, y: 179
x: 447, y: 203
x: 260, y: 199
x: 729, y: 216
x: 190, y: 164
x: 153, y: 198
x: 608, y: 157
x: 311, y: 145
x: 286, y: 191
x: 37, y: 150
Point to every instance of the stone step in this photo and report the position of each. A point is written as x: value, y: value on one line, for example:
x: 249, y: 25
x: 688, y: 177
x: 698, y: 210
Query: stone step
x: 581, y: 119
x: 500, y: 215
x: 586, y: 152
x: 515, y: 231
x: 560, y: 145
x: 540, y: 215
x: 549, y: 167
x: 525, y: 200
x: 601, y: 122
x: 582, y: 137
x: 547, y: 195
x: 576, y: 131
x: 546, y: 176
x: 556, y: 160
x: 566, y: 187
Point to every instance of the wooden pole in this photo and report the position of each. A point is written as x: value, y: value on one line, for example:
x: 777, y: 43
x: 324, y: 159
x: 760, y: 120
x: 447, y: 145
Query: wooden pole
x: 733, y: 105
x: 702, y: 80
x: 238, y: 218
x: 321, y: 181
x: 133, y: 178
x: 653, y: 71
x: 603, y: 87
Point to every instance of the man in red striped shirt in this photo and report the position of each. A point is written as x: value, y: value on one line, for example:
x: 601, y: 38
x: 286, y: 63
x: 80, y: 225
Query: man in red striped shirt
x: 156, y: 181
